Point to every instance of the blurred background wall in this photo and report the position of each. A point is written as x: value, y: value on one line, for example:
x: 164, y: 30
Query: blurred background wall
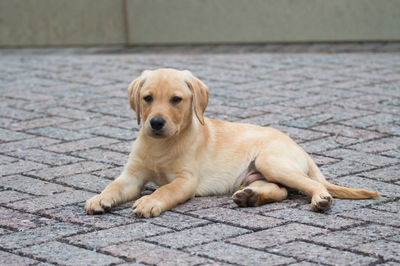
x: 48, y: 23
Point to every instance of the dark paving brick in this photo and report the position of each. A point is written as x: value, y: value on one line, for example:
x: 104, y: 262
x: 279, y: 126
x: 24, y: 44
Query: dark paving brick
x: 277, y: 235
x: 77, y: 214
x: 321, y: 254
x: 198, y: 235
x: 238, y: 255
x: 7, y: 258
x: 155, y: 255
x: 39, y: 235
x: 56, y: 252
x: 52, y: 201
x: 349, y: 132
x: 371, y: 120
x: 115, y: 235
x: 238, y: 218
x: 329, y: 143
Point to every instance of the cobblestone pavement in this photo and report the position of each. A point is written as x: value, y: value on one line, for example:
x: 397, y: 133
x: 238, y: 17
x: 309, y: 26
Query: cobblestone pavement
x: 66, y: 128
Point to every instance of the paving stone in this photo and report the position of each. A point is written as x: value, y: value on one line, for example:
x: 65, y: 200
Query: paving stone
x: 355, y: 236
x: 203, y: 203
x: 369, y: 215
x: 109, y: 173
x: 177, y: 221
x: 7, y: 159
x: 84, y: 144
x: 380, y: 145
x: 321, y: 254
x: 20, y: 167
x: 52, y: 201
x: 371, y: 120
x: 198, y: 235
x: 383, y: 248
x: 9, y: 135
x: 122, y: 147
x: 90, y: 123
x: 7, y: 258
x: 10, y: 196
x: 345, y: 167
x: 18, y: 114
x: 44, y: 157
x: 20, y: 221
x: 67, y: 170
x: 238, y: 218
x: 386, y: 174
x: 350, y: 155
x: 85, y: 181
x: 115, y: 235
x: 393, y: 206
x: 113, y: 132
x: 385, y: 189
x: 101, y: 155
x: 277, y: 236
x: 39, y: 235
x: 59, y: 133
x: 40, y: 122
x: 26, y: 144
x: 349, y: 132
x: 312, y: 218
x: 320, y: 146
x: 56, y: 252
x: 323, y: 160
x: 299, y: 134
x: 77, y: 214
x: 238, y: 255
x: 152, y: 254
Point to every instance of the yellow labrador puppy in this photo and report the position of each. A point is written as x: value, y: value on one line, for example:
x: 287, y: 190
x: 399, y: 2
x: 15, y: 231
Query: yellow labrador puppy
x: 189, y: 155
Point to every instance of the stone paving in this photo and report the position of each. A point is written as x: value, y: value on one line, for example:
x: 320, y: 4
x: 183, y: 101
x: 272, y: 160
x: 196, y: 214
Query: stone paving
x: 66, y: 128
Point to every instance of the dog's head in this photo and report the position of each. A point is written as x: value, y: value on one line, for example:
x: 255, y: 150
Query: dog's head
x: 168, y: 101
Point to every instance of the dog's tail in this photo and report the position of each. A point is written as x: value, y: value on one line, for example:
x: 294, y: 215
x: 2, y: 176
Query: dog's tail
x: 335, y: 190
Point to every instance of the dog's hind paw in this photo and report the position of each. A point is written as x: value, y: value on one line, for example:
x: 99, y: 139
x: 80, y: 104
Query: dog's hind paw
x: 246, y: 198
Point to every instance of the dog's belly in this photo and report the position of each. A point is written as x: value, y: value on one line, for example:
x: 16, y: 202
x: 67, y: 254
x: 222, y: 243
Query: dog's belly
x: 222, y: 181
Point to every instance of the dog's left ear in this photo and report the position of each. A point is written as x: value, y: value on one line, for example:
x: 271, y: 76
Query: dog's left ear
x: 200, y: 95
x: 134, y: 95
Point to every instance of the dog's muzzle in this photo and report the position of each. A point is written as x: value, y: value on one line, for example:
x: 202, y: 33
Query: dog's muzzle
x: 157, y: 123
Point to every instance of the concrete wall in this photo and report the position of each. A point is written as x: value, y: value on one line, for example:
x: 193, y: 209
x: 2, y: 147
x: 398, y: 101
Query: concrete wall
x: 135, y: 22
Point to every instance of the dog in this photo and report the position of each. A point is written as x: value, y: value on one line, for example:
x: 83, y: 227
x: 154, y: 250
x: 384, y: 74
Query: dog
x: 187, y: 155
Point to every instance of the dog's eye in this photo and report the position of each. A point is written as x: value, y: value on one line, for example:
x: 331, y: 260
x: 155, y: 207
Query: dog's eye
x: 148, y: 99
x: 176, y: 100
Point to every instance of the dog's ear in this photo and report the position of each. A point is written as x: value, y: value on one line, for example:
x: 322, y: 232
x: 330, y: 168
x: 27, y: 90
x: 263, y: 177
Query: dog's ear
x: 200, y: 95
x: 134, y: 95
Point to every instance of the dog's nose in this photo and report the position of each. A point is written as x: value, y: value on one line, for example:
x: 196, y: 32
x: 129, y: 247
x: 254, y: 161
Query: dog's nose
x: 157, y: 123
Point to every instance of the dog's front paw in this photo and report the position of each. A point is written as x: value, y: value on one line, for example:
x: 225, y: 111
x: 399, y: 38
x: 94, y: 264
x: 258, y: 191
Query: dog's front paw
x: 147, y: 207
x: 321, y: 202
x: 98, y: 204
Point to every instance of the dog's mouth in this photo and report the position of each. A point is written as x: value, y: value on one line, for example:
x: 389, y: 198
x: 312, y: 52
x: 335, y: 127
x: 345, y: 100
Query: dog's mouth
x: 157, y: 133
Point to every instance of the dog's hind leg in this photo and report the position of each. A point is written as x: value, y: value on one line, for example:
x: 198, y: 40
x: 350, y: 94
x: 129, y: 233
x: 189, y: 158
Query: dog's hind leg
x: 258, y: 193
x: 288, y: 171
